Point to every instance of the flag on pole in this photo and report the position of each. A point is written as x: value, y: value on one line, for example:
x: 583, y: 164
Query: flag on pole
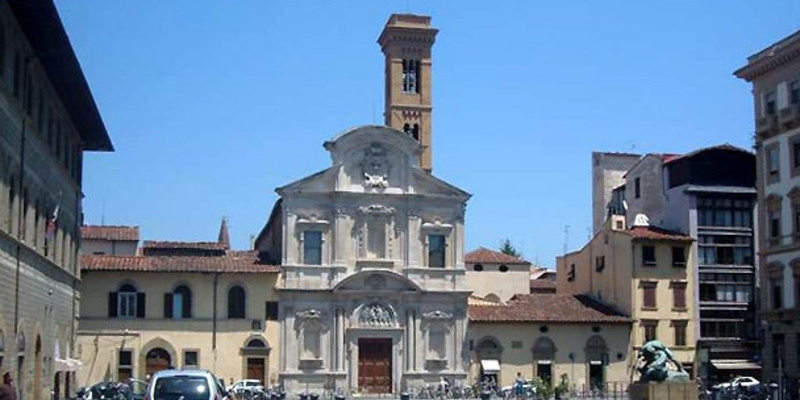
x: 51, y: 224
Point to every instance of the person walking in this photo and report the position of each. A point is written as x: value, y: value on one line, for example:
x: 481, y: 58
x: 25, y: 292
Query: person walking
x: 7, y: 390
x: 519, y: 385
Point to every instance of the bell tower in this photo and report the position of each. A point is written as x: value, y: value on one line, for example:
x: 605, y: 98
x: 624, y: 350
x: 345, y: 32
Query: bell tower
x: 406, y: 42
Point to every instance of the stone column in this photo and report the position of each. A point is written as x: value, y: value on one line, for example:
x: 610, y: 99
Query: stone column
x: 408, y: 339
x: 413, y: 248
x: 341, y: 345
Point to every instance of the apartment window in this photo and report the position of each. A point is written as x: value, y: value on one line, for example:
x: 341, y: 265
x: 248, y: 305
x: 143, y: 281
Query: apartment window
x: 680, y: 332
x: 679, y: 295
x: 236, y: 302
x: 773, y: 160
x: 725, y: 250
x: 126, y: 303
x: 124, y: 365
x: 648, y: 255
x: 178, y: 304
x: 725, y: 212
x: 312, y: 247
x: 411, y: 81
x: 678, y: 256
x: 776, y: 292
x: 637, y: 188
x: 436, y: 251
x: 774, y: 217
x: 650, y: 328
x: 271, y: 311
x: 726, y: 287
x: 190, y: 359
x: 794, y: 154
x: 770, y: 103
x: 726, y: 328
x: 649, y: 295
x: 794, y: 92
x: 599, y: 263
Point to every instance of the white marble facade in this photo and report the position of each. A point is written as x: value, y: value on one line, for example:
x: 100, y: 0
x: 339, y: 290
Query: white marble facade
x: 372, y: 254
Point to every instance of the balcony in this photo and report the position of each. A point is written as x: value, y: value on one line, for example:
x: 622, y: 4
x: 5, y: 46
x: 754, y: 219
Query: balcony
x: 766, y: 126
x: 789, y: 117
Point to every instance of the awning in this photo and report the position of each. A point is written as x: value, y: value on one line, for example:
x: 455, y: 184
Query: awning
x: 490, y: 366
x: 544, y: 362
x: 734, y: 364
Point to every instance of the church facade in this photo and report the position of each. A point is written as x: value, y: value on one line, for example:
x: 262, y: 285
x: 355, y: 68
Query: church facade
x: 371, y: 249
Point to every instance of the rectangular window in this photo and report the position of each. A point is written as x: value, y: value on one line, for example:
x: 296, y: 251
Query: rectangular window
x: 774, y: 227
x: 411, y: 81
x: 436, y: 251
x: 649, y: 255
x: 794, y: 93
x: 678, y: 256
x: 271, y: 311
x: 637, y: 188
x: 773, y: 160
x: 679, y: 295
x: 312, y: 248
x: 599, y: 263
x: 649, y: 295
x: 650, y: 328
x: 571, y: 273
x: 795, y: 156
x: 796, y: 217
x: 777, y: 294
x: 126, y: 304
x: 680, y: 332
x: 769, y: 103
x: 190, y: 359
x: 124, y: 365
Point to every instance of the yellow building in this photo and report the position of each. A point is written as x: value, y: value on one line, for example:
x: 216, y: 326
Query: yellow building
x: 179, y: 304
x: 644, y: 272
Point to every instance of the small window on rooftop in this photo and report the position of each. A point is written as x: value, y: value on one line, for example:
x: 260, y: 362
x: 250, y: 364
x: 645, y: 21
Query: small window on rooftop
x: 477, y: 267
x: 649, y: 255
x: 503, y: 268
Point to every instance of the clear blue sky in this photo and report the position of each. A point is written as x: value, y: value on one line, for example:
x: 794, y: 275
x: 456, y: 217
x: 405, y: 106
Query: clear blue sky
x: 211, y: 105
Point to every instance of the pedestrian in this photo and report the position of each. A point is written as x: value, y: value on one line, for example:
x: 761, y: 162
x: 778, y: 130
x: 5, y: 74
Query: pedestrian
x: 518, y: 385
x: 7, y: 391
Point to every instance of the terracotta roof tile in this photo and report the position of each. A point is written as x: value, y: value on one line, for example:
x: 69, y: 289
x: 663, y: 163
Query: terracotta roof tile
x: 484, y: 255
x: 110, y: 232
x: 480, y: 301
x: 548, y: 307
x: 542, y: 284
x: 236, y: 262
x: 154, y: 244
x: 655, y: 233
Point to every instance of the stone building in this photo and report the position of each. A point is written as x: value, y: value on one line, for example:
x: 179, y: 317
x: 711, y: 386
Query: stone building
x: 775, y: 75
x: 179, y: 304
x: 644, y: 272
x: 48, y: 118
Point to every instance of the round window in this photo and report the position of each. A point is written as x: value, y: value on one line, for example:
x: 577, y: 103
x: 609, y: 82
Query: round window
x: 503, y: 268
x: 477, y: 267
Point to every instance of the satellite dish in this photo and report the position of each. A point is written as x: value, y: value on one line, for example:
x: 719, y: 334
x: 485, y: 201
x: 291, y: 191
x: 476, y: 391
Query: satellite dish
x: 641, y: 220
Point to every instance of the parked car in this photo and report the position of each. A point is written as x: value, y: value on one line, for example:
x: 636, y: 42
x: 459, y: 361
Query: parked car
x: 246, y: 385
x: 739, y: 381
x: 186, y: 385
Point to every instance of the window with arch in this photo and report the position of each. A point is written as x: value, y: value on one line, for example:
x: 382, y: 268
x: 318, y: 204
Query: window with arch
x: 415, y: 132
x: 178, y: 303
x: 410, y: 76
x: 236, y: 302
x: 126, y: 302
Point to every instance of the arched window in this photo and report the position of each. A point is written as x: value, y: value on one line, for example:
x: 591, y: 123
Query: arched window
x: 236, y: 302
x: 415, y: 132
x: 127, y: 302
x: 406, y: 128
x: 178, y: 304
x: 256, y: 344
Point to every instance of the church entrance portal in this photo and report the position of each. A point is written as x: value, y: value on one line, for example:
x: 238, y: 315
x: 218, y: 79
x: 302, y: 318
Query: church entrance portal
x: 375, y: 365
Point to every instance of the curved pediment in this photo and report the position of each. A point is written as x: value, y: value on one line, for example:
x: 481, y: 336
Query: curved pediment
x: 371, y: 281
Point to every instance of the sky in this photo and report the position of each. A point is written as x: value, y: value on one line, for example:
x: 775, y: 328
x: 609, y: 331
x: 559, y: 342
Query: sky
x: 211, y: 105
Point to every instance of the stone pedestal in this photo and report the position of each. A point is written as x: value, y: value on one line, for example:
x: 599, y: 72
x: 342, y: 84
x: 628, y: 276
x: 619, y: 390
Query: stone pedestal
x: 663, y: 391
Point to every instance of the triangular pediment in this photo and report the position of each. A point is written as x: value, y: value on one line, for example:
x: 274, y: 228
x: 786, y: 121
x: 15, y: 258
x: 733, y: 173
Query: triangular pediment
x: 320, y: 182
x: 372, y: 281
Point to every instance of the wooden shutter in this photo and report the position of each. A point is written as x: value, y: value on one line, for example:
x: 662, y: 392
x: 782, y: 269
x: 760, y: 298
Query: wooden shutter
x: 167, y: 305
x: 112, y: 305
x: 650, y: 296
x: 679, y: 296
x: 140, y: 305
x: 187, y: 304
